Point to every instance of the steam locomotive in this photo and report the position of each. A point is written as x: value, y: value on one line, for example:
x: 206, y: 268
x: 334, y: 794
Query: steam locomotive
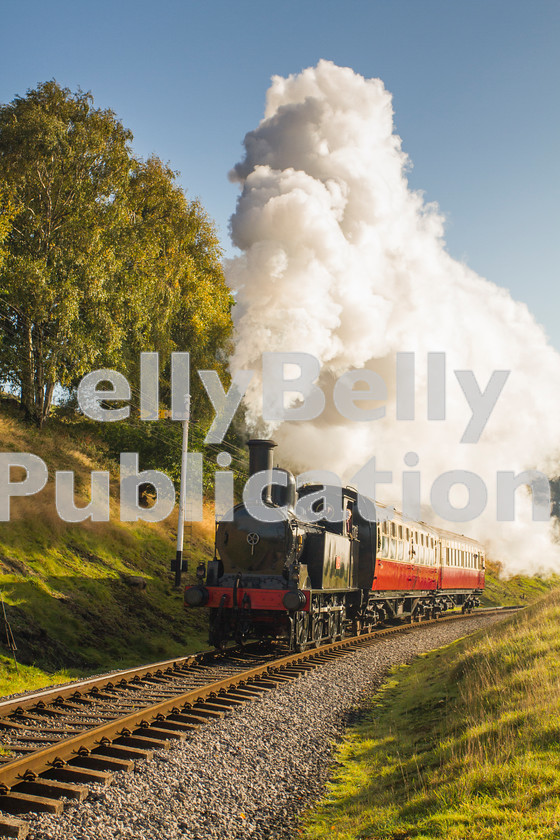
x: 326, y: 563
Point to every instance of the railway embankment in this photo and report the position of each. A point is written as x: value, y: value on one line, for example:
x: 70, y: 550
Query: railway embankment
x: 86, y: 597
x: 461, y: 743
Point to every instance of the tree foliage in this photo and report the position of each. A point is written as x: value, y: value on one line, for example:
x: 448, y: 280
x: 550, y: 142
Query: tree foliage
x: 104, y: 255
x: 6, y: 215
x: 174, y: 260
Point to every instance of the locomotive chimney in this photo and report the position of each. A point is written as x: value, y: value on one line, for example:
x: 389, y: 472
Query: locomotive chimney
x: 260, y: 458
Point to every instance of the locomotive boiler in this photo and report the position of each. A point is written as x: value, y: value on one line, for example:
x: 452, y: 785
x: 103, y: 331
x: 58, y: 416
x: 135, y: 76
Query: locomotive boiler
x: 313, y: 563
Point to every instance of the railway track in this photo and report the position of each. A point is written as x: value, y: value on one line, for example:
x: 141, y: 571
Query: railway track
x: 58, y: 740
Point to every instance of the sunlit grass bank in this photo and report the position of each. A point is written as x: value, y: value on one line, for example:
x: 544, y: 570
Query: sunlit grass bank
x: 518, y: 590
x: 70, y: 591
x: 462, y: 744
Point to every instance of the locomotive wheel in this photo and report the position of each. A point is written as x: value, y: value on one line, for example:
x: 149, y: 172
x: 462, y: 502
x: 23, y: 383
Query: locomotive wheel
x: 339, y: 626
x: 302, y: 631
x: 316, y: 630
x: 331, y: 632
x: 218, y: 641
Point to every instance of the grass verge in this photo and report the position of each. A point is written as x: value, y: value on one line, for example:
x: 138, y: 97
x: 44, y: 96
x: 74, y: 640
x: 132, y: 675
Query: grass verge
x: 463, y: 743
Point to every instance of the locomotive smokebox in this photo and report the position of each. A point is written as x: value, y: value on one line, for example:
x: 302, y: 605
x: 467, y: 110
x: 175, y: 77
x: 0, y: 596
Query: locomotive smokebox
x: 260, y: 459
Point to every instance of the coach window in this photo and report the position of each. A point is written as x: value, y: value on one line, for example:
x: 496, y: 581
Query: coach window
x: 385, y: 545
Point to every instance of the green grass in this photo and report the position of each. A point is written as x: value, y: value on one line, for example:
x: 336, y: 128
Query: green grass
x: 516, y: 590
x: 17, y: 677
x: 463, y: 743
x: 66, y: 588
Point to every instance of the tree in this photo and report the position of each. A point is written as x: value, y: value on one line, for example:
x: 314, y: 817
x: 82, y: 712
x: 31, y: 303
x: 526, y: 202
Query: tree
x: 6, y: 215
x: 66, y: 164
x: 178, y: 272
x: 104, y: 254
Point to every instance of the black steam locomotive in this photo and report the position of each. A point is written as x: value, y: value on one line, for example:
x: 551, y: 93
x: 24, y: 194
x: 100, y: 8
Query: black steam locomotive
x: 326, y: 564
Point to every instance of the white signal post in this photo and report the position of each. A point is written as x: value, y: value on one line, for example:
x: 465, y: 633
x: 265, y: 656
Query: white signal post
x: 182, y: 495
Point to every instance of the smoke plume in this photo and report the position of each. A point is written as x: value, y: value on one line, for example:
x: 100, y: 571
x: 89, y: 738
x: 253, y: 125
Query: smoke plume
x: 341, y: 259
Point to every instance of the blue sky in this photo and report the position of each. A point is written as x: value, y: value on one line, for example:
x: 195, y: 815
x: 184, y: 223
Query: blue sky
x: 475, y: 86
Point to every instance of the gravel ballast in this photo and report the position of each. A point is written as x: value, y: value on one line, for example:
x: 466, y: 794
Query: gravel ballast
x: 252, y: 772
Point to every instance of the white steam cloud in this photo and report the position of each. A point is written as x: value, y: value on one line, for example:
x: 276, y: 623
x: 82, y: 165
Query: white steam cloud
x: 342, y: 260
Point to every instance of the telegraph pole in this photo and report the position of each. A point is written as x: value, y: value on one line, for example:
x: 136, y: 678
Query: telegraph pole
x: 182, y: 494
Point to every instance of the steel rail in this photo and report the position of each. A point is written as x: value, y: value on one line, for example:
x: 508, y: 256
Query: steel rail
x: 58, y: 754
x: 67, y: 690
